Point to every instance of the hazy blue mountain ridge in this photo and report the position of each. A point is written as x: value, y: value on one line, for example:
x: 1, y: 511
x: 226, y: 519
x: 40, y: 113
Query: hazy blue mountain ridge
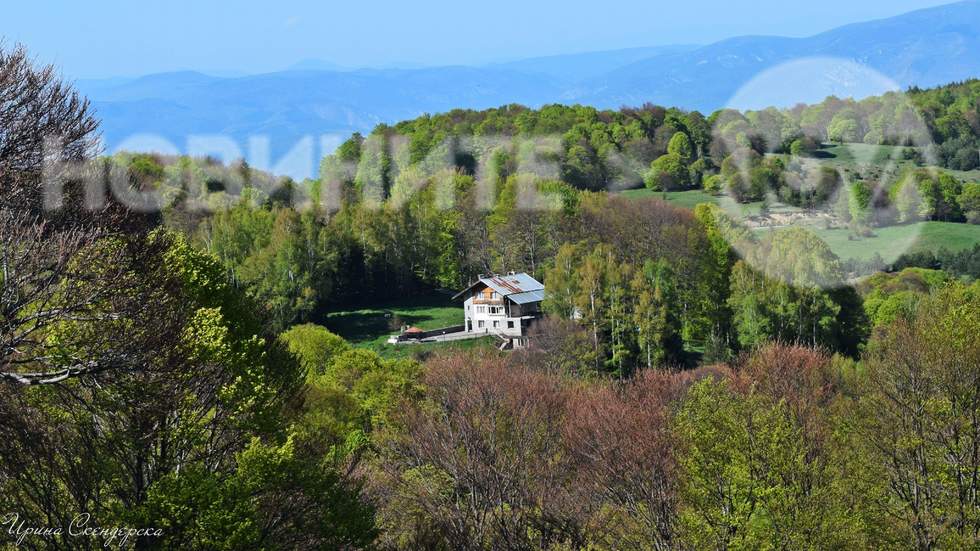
x: 925, y: 48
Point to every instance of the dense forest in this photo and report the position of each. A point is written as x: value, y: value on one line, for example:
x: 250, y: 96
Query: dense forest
x: 695, y: 384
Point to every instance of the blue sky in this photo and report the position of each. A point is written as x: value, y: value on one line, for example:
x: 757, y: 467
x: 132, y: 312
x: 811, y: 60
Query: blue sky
x: 126, y: 38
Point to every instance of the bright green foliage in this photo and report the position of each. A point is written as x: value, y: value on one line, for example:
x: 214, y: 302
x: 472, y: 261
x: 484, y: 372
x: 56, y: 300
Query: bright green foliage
x: 349, y: 393
x: 283, y: 258
x: 696, y: 173
x: 713, y: 184
x: 667, y: 312
x: 222, y: 331
x: 314, y: 346
x: 373, y: 179
x: 750, y: 479
x: 236, y: 233
x: 844, y: 127
x: 680, y: 145
x: 882, y: 311
x: 204, y: 280
x: 350, y: 150
x: 908, y: 202
x: 942, y: 194
x: 859, y: 204
x: 582, y: 167
x: 562, y: 282
x: 375, y: 385
x: 520, y: 223
x: 195, y: 437
x: 657, y: 325
x: 679, y: 168
x: 804, y: 146
x: 667, y: 173
x: 918, y: 418
x: 344, y: 404
x: 947, y: 112
x: 888, y: 297
x: 591, y: 299
x: 146, y: 168
x: 926, y: 195
x: 250, y: 397
x: 594, y: 286
x: 631, y: 313
x: 796, y: 148
x: 280, y: 275
x: 711, y: 324
x: 199, y: 510
x: 785, y: 291
x: 621, y: 322
x: 969, y: 201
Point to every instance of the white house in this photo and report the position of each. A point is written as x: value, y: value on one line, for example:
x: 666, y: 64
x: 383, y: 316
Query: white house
x: 502, y: 304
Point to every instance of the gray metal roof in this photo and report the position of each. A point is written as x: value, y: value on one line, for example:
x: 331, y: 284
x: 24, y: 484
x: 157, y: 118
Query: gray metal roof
x: 510, y: 286
x: 529, y: 296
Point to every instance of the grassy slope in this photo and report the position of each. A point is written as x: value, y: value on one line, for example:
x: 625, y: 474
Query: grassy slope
x: 689, y: 199
x: 370, y: 327
x: 892, y: 241
x: 686, y: 199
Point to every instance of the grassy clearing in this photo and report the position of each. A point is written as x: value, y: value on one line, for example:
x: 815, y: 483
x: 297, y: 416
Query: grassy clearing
x: 691, y: 198
x: 686, y: 199
x: 890, y: 242
x: 373, y: 325
x: 370, y: 327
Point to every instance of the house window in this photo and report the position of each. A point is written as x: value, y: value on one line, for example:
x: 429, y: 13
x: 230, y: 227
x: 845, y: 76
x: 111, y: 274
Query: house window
x: 493, y: 294
x: 510, y: 325
x: 480, y: 324
x: 481, y: 309
x: 496, y: 324
x: 496, y: 309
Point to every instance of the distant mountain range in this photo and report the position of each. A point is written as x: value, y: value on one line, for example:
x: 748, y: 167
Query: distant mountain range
x: 313, y: 98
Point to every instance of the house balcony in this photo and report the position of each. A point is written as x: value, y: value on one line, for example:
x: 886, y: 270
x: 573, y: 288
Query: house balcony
x: 490, y: 302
